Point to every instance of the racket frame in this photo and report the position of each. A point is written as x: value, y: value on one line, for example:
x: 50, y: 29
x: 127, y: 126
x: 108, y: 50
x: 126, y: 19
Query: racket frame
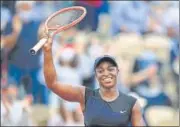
x: 51, y: 32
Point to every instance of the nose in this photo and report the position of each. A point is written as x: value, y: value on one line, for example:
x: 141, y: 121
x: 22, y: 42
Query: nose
x: 106, y: 73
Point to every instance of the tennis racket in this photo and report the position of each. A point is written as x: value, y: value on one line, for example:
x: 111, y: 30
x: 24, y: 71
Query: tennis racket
x: 60, y: 21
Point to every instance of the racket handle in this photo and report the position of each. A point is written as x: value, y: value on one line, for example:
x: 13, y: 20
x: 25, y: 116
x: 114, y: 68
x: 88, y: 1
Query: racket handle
x: 39, y: 45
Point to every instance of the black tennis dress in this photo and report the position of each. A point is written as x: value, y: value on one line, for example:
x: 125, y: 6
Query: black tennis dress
x: 99, y: 112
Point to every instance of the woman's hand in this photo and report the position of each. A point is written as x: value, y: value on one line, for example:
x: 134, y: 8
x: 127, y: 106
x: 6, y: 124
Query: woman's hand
x: 42, y: 33
x: 48, y: 45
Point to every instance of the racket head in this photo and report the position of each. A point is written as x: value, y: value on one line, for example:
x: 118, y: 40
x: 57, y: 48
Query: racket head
x: 59, y: 21
x: 65, y: 19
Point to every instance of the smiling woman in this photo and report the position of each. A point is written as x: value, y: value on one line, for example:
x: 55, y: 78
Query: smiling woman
x: 103, y: 106
x: 106, y: 71
x: 107, y: 105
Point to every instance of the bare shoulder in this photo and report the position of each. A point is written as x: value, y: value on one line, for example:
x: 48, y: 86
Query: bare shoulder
x: 137, y: 106
x: 82, y: 90
x: 137, y: 119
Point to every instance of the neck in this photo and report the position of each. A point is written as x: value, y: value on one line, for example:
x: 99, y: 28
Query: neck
x: 109, y: 94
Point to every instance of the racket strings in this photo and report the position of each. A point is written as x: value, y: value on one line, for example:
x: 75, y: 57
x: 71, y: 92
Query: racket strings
x: 64, y: 18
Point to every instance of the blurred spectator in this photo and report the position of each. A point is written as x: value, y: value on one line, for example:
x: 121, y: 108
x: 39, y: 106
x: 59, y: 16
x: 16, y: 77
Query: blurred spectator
x: 149, y: 84
x: 92, y: 7
x: 104, y: 8
x: 84, y: 66
x: 143, y: 68
x: 5, y: 20
x: 5, y: 17
x: 171, y: 18
x: 56, y: 118
x: 155, y: 22
x: 129, y: 16
x: 4, y: 111
x: 45, y: 8
x: 94, y: 46
x: 15, y: 111
x: 175, y: 69
x: 9, y: 4
x: 171, y: 22
x: 21, y: 64
x: 68, y: 61
x: 155, y: 94
x: 68, y: 75
x: 163, y: 17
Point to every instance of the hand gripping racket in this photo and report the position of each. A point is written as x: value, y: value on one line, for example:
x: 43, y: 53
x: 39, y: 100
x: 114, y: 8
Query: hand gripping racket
x: 60, y: 21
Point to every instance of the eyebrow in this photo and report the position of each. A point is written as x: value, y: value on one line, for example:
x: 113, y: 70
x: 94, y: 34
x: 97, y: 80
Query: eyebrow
x: 107, y: 67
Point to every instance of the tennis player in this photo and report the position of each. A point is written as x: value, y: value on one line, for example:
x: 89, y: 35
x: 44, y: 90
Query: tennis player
x: 103, y: 106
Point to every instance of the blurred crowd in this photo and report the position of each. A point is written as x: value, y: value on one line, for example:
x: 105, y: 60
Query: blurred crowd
x: 142, y: 35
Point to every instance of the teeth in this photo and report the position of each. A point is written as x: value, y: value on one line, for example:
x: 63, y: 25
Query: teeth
x: 107, y: 79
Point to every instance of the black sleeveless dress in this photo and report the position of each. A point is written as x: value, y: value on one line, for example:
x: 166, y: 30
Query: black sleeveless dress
x: 98, y: 112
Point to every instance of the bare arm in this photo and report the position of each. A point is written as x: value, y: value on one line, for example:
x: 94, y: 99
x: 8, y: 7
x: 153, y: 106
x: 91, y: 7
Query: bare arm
x: 138, y: 77
x: 65, y: 91
x: 144, y: 74
x: 10, y: 40
x: 137, y: 119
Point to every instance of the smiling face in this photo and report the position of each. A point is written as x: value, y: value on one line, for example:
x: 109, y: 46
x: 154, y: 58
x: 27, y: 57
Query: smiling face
x: 106, y: 74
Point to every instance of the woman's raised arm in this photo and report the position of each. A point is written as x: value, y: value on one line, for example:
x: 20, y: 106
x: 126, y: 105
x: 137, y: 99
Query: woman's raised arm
x: 65, y: 91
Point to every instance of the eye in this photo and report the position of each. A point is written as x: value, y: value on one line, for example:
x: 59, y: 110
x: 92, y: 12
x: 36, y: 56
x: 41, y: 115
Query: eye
x: 111, y: 69
x: 99, y: 71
